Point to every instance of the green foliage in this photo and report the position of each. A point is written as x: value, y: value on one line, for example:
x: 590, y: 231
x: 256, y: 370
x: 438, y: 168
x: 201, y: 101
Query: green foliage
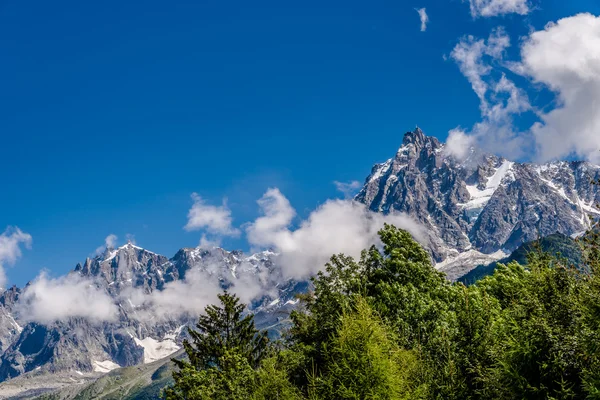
x: 221, y: 330
x: 222, y: 355
x: 273, y: 379
x: 562, y: 246
x: 233, y: 379
x: 364, y: 361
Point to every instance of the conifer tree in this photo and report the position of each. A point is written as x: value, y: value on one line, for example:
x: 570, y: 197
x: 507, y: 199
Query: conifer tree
x: 224, y: 343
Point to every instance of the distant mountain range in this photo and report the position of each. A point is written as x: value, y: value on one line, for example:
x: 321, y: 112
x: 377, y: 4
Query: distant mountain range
x: 79, y: 350
x: 475, y: 211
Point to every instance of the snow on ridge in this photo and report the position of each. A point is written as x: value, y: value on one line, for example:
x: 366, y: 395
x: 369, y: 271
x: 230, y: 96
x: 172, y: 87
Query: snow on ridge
x: 479, y: 198
x: 381, y: 169
x: 130, y: 245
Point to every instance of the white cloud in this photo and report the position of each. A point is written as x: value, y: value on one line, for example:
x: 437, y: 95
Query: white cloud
x: 182, y: 297
x: 10, y: 248
x: 110, y: 242
x: 474, y: 57
x: 215, y: 220
x: 207, y: 243
x: 492, y: 8
x: 278, y: 215
x: 200, y: 288
x: 499, y: 98
x: 338, y: 226
x: 458, y: 143
x: 348, y: 189
x: 47, y: 300
x: 424, y: 18
x: 565, y: 57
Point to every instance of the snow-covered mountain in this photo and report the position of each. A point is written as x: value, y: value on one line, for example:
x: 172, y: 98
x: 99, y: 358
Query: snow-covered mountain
x: 474, y: 210
x: 80, y: 348
x: 479, y: 209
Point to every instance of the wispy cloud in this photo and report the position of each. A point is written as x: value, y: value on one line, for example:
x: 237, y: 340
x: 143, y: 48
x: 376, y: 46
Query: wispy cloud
x: 424, y: 18
x: 499, y: 98
x: 11, y: 241
x: 110, y: 242
x: 493, y: 8
x: 348, y: 189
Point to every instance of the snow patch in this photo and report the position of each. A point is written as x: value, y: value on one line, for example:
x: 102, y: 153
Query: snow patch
x: 155, y: 350
x: 479, y: 198
x: 461, y: 264
x: 173, y: 335
x: 17, y: 327
x: 104, y: 366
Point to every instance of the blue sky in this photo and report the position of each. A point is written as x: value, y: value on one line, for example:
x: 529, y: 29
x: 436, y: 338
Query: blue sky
x: 112, y: 114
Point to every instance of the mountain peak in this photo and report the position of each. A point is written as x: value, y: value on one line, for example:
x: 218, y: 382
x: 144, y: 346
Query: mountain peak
x: 483, y: 203
x: 416, y: 137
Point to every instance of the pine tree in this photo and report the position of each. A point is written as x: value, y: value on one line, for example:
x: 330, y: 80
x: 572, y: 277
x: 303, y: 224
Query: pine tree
x: 223, y: 334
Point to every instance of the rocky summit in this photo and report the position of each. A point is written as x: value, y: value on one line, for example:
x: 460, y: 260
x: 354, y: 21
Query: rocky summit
x: 480, y: 208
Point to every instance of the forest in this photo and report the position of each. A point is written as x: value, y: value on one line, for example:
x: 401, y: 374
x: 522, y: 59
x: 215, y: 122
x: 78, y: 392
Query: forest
x: 389, y: 326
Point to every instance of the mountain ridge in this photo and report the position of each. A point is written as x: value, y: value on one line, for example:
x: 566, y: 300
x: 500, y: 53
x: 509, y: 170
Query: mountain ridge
x: 482, y: 203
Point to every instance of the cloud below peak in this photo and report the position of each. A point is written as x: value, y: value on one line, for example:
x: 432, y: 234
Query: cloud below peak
x: 337, y: 226
x: 47, y: 300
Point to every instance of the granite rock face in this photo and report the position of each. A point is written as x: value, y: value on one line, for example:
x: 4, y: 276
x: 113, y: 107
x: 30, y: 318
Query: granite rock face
x: 483, y: 204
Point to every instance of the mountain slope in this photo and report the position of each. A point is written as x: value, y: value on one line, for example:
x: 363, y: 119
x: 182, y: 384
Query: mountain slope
x: 142, y: 382
x: 483, y: 204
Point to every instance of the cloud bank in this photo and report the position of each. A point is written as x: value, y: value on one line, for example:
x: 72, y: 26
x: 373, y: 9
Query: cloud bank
x: 47, y: 300
x: 337, y: 226
x: 11, y: 241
